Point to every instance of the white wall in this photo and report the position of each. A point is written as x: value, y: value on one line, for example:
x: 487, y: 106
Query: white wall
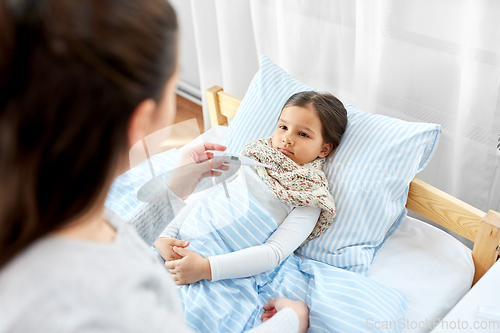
x: 189, y: 80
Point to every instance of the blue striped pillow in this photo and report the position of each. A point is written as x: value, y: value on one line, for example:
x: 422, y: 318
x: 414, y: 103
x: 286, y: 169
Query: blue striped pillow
x: 369, y: 174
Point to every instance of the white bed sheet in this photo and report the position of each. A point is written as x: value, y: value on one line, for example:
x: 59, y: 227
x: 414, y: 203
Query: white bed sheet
x: 433, y: 269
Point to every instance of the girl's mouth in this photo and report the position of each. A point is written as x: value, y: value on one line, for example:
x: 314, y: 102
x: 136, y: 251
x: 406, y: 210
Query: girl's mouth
x: 284, y: 150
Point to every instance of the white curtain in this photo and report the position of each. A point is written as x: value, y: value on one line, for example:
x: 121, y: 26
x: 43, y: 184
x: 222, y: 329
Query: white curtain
x: 418, y: 60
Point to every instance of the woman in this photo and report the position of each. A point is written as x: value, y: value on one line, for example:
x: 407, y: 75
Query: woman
x: 80, y: 83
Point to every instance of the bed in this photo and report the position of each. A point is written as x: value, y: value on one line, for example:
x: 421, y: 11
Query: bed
x: 453, y: 214
x: 430, y: 267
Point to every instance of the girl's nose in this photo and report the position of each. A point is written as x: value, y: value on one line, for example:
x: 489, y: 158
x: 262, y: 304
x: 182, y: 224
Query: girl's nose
x: 286, y: 139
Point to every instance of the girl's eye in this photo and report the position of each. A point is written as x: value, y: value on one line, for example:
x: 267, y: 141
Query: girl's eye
x: 283, y: 127
x: 303, y: 134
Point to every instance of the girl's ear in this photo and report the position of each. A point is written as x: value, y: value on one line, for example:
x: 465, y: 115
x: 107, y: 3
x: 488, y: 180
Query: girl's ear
x: 327, y: 149
x: 141, y: 121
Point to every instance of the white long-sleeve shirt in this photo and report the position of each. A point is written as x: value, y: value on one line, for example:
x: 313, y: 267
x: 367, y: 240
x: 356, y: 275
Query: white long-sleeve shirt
x: 294, y: 225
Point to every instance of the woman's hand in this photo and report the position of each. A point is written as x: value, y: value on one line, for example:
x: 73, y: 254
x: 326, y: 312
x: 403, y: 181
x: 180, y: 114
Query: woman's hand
x: 300, y: 308
x: 165, y: 245
x: 193, y: 166
x: 190, y: 269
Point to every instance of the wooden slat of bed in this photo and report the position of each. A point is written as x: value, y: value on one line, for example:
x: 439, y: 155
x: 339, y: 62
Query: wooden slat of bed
x: 228, y: 103
x: 485, y: 251
x: 442, y: 208
x: 424, y: 199
x: 216, y: 117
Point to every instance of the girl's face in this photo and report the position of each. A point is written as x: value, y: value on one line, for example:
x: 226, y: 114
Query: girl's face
x: 298, y: 135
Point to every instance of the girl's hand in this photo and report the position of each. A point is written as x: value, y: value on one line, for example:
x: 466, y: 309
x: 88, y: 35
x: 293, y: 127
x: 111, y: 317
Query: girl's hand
x: 193, y: 166
x: 300, y: 308
x: 165, y: 245
x: 190, y: 269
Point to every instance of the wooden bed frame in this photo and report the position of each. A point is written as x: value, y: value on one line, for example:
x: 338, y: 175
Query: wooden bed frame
x: 455, y: 215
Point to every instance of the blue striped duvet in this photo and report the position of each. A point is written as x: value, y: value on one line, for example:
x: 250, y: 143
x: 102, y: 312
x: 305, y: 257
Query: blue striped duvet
x: 339, y: 300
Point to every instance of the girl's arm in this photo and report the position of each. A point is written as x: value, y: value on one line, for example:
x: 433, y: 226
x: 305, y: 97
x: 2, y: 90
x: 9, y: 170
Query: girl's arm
x: 257, y: 259
x: 168, y: 239
x: 172, y: 229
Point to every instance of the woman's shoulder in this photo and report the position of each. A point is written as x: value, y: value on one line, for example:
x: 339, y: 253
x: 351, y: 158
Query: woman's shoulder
x: 57, y: 262
x: 50, y: 266
x: 89, y: 284
x: 36, y: 280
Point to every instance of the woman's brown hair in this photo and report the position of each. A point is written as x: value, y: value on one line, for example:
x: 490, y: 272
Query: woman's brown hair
x: 71, y: 74
x: 330, y: 110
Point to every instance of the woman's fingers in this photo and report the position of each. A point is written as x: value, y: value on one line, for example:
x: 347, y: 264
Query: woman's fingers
x: 191, y: 169
x: 214, y: 146
x: 200, y: 150
x: 271, y: 304
x: 300, y: 308
x: 215, y: 163
x: 207, y: 167
x: 211, y: 173
x: 224, y: 167
x: 269, y: 310
x: 268, y: 314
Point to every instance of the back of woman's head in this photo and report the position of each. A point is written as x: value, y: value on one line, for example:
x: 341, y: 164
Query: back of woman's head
x: 330, y: 110
x: 71, y: 74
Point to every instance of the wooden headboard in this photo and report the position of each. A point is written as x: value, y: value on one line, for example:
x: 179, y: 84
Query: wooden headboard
x: 455, y: 215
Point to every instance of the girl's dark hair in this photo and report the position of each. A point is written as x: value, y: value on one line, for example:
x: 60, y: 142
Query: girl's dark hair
x: 330, y: 110
x: 71, y: 74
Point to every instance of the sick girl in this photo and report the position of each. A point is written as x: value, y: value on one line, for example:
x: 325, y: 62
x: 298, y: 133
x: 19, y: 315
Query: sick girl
x: 295, y: 192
